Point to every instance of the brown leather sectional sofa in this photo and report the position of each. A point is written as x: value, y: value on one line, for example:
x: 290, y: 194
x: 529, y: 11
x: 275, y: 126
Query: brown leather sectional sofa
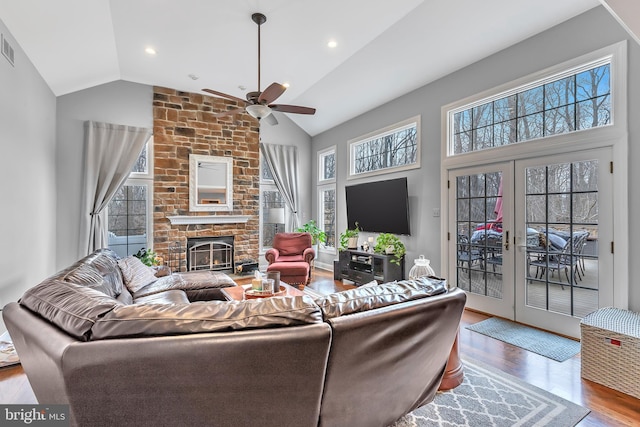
x: 173, y: 353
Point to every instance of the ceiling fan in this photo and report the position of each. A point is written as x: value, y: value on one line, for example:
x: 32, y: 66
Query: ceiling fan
x: 259, y: 104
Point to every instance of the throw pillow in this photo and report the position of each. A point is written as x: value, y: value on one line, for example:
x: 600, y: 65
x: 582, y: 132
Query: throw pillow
x: 136, y: 275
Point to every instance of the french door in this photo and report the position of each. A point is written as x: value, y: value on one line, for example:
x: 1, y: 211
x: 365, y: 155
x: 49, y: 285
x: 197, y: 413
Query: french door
x: 568, y: 200
x: 532, y: 238
x: 481, y: 200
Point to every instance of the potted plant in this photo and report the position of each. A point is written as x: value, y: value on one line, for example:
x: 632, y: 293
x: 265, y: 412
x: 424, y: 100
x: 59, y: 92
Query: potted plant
x: 349, y: 238
x: 387, y: 243
x: 148, y: 257
x: 317, y: 235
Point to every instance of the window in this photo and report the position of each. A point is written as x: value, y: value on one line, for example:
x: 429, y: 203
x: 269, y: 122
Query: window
x: 129, y: 214
x: 327, y: 164
x: 575, y: 100
x: 128, y: 219
x: 566, y: 117
x: 327, y: 214
x: 142, y: 164
x: 396, y: 147
x: 327, y: 196
x: 272, y: 208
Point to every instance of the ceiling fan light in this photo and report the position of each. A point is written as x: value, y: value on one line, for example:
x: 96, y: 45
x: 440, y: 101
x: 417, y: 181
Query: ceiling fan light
x: 258, y: 111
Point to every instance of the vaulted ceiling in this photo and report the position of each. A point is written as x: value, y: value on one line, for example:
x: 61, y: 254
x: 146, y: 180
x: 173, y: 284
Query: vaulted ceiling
x: 384, y: 48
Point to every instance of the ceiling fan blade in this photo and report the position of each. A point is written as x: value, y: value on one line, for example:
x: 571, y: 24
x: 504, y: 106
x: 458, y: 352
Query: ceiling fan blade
x: 224, y: 95
x: 271, y: 119
x: 271, y: 93
x: 292, y: 109
x: 229, y: 112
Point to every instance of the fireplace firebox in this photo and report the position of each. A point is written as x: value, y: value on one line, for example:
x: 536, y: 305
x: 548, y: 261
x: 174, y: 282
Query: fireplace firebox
x: 210, y: 253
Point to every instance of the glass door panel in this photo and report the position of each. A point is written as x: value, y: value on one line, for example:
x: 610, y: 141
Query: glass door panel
x: 565, y: 204
x: 481, y: 251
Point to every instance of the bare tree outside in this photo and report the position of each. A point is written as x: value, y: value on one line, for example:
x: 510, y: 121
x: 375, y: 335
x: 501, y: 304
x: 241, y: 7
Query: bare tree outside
x: 141, y: 165
x: 127, y: 220
x: 395, y: 149
x: 328, y: 166
x: 328, y: 223
x: 577, y: 102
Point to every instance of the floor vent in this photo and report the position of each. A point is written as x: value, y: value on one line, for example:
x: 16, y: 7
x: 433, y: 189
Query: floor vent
x: 7, y: 49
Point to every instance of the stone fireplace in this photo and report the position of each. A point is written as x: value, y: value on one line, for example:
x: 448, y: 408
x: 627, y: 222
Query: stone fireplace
x: 184, y: 124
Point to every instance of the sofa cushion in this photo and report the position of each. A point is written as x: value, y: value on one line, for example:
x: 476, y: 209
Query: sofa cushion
x: 71, y: 307
x: 291, y: 258
x: 87, y: 275
x: 189, y: 282
x: 98, y: 270
x: 209, y: 316
x: 371, y: 296
x: 136, y: 275
x: 167, y: 297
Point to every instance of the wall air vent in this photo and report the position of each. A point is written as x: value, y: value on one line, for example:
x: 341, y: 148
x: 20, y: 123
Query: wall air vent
x: 7, y: 49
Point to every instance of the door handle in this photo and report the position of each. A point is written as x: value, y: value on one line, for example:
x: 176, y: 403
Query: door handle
x: 506, y: 240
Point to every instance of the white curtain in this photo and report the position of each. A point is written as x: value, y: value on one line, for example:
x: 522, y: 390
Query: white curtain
x: 110, y: 151
x: 282, y: 160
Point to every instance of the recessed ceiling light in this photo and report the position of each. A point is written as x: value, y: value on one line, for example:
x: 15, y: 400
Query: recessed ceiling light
x: 332, y: 44
x: 193, y: 77
x: 287, y: 85
x: 150, y: 51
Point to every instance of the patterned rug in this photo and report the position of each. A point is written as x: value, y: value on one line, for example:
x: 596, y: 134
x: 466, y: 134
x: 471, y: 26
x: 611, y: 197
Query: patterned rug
x: 543, y: 343
x: 488, y: 397
x: 8, y: 355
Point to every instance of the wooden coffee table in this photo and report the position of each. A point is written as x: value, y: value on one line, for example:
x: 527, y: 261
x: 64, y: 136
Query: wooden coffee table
x: 236, y: 293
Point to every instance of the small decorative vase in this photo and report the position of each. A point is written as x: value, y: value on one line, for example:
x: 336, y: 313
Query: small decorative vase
x: 353, y: 243
x: 421, y: 267
x: 389, y: 250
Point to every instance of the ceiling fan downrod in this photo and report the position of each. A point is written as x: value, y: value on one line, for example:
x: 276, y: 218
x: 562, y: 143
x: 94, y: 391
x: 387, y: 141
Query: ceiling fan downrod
x: 259, y: 19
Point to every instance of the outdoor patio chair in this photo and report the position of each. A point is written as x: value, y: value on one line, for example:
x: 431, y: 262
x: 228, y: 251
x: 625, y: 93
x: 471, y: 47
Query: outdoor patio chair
x: 567, y: 260
x: 467, y: 253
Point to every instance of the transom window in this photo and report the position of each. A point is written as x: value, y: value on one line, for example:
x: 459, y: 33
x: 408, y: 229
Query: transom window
x: 575, y: 100
x: 393, y: 148
x: 327, y: 165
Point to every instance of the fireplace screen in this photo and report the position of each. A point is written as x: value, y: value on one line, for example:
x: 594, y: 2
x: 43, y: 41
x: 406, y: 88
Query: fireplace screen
x: 210, y: 254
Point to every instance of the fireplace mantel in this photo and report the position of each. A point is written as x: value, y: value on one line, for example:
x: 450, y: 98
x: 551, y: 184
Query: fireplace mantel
x: 208, y: 219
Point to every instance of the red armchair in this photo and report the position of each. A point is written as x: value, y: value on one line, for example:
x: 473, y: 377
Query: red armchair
x: 291, y: 255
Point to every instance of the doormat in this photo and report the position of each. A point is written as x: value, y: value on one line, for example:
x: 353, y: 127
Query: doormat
x: 543, y: 343
x: 489, y: 397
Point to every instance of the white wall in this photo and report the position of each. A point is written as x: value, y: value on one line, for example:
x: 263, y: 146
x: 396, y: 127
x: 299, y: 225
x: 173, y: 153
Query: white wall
x: 118, y: 102
x: 588, y: 32
x: 27, y: 176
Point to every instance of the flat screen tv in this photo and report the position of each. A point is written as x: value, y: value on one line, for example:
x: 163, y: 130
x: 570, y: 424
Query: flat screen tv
x: 380, y: 206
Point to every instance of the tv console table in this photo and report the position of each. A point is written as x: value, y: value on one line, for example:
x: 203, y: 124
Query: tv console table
x: 362, y: 267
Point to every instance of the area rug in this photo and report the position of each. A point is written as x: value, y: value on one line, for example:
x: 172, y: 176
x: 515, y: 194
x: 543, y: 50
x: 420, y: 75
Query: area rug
x: 8, y: 355
x: 543, y: 343
x: 488, y: 397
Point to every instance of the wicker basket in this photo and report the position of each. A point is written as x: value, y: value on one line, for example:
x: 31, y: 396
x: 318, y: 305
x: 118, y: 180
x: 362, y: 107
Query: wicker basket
x: 611, y: 349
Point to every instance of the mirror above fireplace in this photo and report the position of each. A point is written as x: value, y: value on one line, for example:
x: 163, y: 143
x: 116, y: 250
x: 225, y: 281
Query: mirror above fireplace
x: 210, y: 183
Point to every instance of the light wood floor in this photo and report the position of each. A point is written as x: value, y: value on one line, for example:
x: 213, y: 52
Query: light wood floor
x: 608, y: 407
